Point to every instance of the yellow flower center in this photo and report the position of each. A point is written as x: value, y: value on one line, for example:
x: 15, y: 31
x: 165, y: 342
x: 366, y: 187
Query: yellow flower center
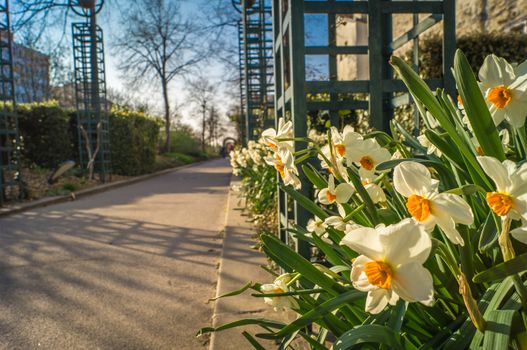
x: 279, y: 165
x: 330, y: 196
x: 271, y: 146
x: 340, y: 149
x: 277, y: 290
x: 479, y: 151
x: 459, y: 100
x: 366, y: 162
x: 500, y: 203
x: 500, y: 96
x: 418, y: 207
x: 379, y: 274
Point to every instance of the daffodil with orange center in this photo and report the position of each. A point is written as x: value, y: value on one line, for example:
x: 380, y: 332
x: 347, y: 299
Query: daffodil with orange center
x: 273, y: 138
x: 331, y: 194
x: 510, y: 197
x: 279, y: 286
x: 366, y: 154
x: 284, y: 163
x: 390, y: 264
x: 504, y: 88
x: 426, y: 205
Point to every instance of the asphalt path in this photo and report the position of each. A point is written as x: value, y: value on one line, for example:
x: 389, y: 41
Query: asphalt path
x: 130, y: 268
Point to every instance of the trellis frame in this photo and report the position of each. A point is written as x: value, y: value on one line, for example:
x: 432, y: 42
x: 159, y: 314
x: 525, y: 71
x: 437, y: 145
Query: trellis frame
x: 256, y: 66
x: 10, y: 177
x: 90, y: 95
x: 291, y: 87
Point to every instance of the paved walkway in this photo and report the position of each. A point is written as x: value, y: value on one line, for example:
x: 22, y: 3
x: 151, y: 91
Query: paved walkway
x: 130, y: 268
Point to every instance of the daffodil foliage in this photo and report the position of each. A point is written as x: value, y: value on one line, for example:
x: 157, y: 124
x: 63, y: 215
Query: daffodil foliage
x: 422, y: 238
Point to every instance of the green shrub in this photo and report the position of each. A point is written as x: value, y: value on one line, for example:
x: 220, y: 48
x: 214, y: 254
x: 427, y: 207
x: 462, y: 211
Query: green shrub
x: 476, y: 46
x: 183, y: 140
x: 134, y: 139
x: 45, y: 131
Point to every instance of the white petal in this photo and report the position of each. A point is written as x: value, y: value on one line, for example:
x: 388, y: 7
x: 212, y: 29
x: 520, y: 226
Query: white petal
x: 496, y: 71
x: 447, y: 224
x: 516, y: 112
x: 413, y: 282
x: 520, y: 234
x: 377, y: 300
x: 322, y: 196
x: 331, y: 183
x: 412, y: 178
x: 358, y: 277
x: 455, y: 206
x: 365, y: 241
x: 405, y: 242
x: 380, y: 155
x: 344, y: 192
x: 496, y: 171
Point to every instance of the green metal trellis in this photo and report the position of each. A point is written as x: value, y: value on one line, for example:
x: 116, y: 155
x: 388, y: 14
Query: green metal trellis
x: 10, y: 179
x: 256, y: 70
x: 90, y: 88
x: 292, y: 51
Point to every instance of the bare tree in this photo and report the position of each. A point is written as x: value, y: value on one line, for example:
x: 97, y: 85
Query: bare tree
x: 201, y: 95
x: 157, y: 43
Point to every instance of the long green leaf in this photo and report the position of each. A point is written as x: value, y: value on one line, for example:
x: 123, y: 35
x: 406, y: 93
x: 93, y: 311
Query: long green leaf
x: 299, y: 264
x: 253, y: 341
x: 316, y: 313
x: 243, y: 322
x: 499, y: 325
x: 502, y: 270
x: 305, y: 202
x: 476, y: 108
x: 489, y: 234
x: 370, y: 333
x: 314, y: 177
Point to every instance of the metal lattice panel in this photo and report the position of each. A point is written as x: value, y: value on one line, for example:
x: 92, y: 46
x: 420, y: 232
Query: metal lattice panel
x: 294, y: 50
x: 90, y: 95
x: 256, y: 66
x: 10, y: 181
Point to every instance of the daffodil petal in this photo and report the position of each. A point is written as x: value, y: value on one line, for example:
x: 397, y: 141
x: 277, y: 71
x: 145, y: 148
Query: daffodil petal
x: 496, y: 171
x: 405, y: 242
x: 365, y: 241
x: 376, y: 300
x: 447, y: 224
x: 413, y: 282
x: 520, y: 234
x: 412, y: 178
x: 322, y: 196
x: 455, y: 206
x: 344, y: 192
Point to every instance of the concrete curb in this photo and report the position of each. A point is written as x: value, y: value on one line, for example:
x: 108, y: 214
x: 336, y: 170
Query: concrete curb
x: 44, y: 202
x: 238, y: 264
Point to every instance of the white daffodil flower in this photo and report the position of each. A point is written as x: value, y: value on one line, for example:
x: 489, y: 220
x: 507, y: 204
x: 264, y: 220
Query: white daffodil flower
x: 270, y: 137
x: 331, y: 194
x: 426, y: 205
x: 391, y: 264
x: 504, y: 90
x: 430, y: 147
x: 366, y: 154
x: 510, y: 197
x: 337, y: 221
x: 316, y: 225
x: 374, y: 191
x: 284, y: 163
x: 279, y: 286
x: 341, y: 142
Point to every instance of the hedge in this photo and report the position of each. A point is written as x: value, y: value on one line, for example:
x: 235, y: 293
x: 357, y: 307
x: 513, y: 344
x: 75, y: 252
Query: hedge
x: 45, y: 131
x: 50, y: 136
x: 134, y: 142
x: 476, y: 46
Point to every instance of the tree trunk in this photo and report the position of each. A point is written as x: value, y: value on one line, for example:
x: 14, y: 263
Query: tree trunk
x: 203, y: 127
x: 166, y: 147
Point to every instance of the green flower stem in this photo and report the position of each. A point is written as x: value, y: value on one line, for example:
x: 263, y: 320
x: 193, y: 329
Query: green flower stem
x: 353, y: 213
x: 507, y: 250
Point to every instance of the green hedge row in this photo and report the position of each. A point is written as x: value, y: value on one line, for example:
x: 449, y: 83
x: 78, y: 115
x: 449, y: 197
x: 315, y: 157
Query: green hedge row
x: 476, y: 46
x: 49, y: 134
